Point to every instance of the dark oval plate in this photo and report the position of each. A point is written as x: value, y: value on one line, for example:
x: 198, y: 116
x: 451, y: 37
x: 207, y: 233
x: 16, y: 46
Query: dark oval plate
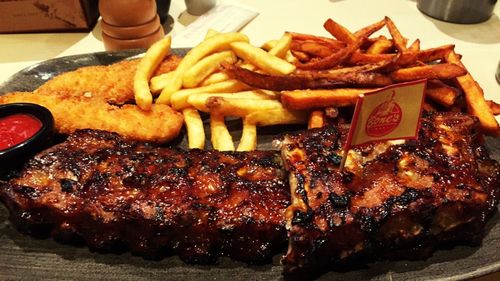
x: 26, y: 258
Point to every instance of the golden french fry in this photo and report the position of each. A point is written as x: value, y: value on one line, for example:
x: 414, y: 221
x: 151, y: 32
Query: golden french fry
x: 153, y: 57
x: 282, y: 46
x: 231, y: 107
x: 268, y: 45
x: 257, y: 94
x: 316, y: 119
x: 306, y: 99
x: 431, y: 71
x: 206, y: 66
x: 474, y: 97
x: 248, y: 140
x: 262, y: 59
x: 157, y: 83
x: 215, y: 78
x: 277, y: 116
x: 194, y: 127
x: 211, y: 32
x: 220, y: 136
x: 217, y: 42
x: 179, y: 98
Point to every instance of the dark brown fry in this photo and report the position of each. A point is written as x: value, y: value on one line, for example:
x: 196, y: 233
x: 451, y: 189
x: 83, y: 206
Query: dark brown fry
x: 494, y: 107
x: 316, y: 119
x: 358, y: 58
x: 432, y: 71
x: 433, y: 54
x: 339, y: 31
x: 307, y: 99
x: 474, y: 97
x: 399, y: 40
x: 370, y: 29
x: 441, y: 93
x: 308, y: 79
x: 334, y: 59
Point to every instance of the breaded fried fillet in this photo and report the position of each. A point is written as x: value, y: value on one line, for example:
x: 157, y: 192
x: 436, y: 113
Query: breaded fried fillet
x: 112, y: 83
x: 160, y: 124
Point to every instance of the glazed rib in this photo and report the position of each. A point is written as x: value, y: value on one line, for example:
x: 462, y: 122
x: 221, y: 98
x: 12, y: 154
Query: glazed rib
x: 155, y: 201
x: 393, y: 201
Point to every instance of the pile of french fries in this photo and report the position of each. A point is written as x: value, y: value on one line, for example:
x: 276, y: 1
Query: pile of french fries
x: 298, y: 78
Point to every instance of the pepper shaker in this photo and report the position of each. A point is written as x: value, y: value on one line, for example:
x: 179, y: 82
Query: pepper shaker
x: 129, y: 24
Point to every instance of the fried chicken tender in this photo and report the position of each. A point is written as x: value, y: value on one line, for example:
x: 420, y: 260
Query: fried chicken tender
x: 160, y: 124
x: 112, y: 83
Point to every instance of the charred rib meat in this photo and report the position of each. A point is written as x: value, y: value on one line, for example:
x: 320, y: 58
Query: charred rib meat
x: 398, y: 199
x: 195, y: 204
x: 394, y: 198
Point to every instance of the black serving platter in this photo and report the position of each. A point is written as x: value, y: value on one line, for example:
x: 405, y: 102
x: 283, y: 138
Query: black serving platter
x: 24, y: 257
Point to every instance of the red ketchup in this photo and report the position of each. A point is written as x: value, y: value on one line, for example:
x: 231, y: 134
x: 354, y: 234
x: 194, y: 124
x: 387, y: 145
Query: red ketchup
x: 16, y: 128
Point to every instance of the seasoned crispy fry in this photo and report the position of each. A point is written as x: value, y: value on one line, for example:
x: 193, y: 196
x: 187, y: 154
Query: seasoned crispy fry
x: 194, y: 127
x: 307, y: 99
x: 157, y: 83
x: 282, y: 46
x: 358, y: 58
x: 415, y: 46
x: 399, y: 40
x: 308, y: 79
x: 382, y: 45
x: 432, y: 71
x: 215, y: 43
x: 370, y: 29
x: 332, y: 43
x: 248, y: 140
x: 262, y: 59
x: 494, y: 107
x: 334, y: 59
x: 432, y: 54
x: 301, y: 56
x: 206, y: 66
x: 316, y: 119
x: 315, y: 49
x: 179, y: 98
x: 277, y: 116
x: 153, y: 57
x: 441, y: 93
x: 339, y: 31
x: 231, y: 107
x: 474, y: 98
x: 220, y: 137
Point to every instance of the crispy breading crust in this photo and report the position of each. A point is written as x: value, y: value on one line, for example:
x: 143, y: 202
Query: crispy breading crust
x: 160, y: 124
x: 112, y: 83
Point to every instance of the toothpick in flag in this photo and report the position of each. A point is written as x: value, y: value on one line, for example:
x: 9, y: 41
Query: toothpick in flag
x: 386, y: 114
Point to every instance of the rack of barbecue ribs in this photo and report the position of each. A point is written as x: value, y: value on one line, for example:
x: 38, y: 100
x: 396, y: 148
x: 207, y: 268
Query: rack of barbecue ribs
x: 394, y: 199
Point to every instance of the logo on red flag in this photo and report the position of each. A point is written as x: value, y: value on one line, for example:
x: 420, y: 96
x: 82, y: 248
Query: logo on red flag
x: 387, y: 114
x: 384, y: 118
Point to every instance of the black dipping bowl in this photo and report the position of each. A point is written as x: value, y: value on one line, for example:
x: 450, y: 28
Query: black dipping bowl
x: 16, y: 155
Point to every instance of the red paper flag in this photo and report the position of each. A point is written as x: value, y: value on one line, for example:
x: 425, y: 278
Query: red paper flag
x: 387, y: 114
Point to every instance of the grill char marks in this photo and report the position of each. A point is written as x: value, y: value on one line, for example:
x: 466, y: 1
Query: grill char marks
x: 393, y: 201
x: 156, y: 201
x: 410, y: 198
